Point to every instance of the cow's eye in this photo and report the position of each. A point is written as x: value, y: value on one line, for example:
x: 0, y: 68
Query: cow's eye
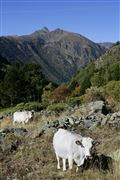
x: 79, y: 143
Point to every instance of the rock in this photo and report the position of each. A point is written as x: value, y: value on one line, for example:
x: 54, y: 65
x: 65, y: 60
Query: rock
x: 71, y: 121
x: 115, y: 124
x: 118, y: 114
x: 16, y: 131
x: 61, y: 124
x: 96, y: 106
x: 56, y: 123
x: 36, y: 133
x: 87, y: 123
x: 104, y: 121
x: 10, y: 147
x: 1, y: 117
x: 77, y: 122
x: 95, y: 124
x: 20, y: 132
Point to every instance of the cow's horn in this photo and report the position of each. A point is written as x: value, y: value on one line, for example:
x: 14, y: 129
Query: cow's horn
x: 96, y: 142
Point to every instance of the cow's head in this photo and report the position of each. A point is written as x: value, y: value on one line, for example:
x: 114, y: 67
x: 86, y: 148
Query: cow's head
x: 88, y: 146
x: 30, y: 114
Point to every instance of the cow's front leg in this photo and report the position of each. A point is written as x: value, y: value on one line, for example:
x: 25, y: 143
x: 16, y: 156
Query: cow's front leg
x: 58, y: 161
x: 81, y: 163
x: 64, y: 164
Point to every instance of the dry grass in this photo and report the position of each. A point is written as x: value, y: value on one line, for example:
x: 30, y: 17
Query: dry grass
x: 5, y: 123
x: 35, y: 159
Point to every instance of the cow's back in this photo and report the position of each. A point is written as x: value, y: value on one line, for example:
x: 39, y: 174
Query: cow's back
x: 20, y: 116
x: 64, y: 143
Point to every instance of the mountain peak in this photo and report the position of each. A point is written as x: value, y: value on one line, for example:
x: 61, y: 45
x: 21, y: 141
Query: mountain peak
x: 44, y: 30
x: 58, y: 30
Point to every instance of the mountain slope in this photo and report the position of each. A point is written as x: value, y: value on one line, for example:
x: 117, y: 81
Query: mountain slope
x: 113, y: 54
x: 60, y: 53
x: 106, y: 68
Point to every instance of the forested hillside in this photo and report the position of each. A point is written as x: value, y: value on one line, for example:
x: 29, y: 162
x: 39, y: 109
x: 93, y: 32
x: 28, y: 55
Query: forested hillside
x: 100, y: 79
x: 100, y: 72
x: 20, y: 83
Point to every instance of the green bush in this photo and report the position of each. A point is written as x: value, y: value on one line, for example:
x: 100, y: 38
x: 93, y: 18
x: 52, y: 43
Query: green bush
x: 75, y: 100
x: 33, y: 106
x: 93, y: 94
x: 56, y: 107
x: 19, y: 106
x: 112, y: 89
x: 22, y: 106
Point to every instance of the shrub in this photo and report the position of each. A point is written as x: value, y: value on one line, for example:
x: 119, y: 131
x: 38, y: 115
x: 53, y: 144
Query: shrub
x: 60, y: 93
x: 57, y: 107
x: 112, y: 89
x: 76, y: 91
x: 19, y: 106
x: 93, y: 94
x: 33, y: 106
x: 75, y: 100
x: 47, y: 92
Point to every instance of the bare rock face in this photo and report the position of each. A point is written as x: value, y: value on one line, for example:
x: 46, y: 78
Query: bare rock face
x: 60, y: 53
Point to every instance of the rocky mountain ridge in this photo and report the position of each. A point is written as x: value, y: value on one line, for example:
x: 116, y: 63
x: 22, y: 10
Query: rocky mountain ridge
x: 60, y: 53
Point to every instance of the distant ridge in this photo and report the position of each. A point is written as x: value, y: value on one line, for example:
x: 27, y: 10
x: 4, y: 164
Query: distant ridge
x: 107, y: 45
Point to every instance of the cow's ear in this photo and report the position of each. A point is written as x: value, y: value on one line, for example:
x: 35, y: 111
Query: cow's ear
x: 79, y: 143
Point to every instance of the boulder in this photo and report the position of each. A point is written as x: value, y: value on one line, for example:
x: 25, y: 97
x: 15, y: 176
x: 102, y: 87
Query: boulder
x: 16, y: 131
x: 96, y: 106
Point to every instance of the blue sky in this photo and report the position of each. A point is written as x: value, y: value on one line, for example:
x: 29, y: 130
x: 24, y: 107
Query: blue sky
x: 98, y: 20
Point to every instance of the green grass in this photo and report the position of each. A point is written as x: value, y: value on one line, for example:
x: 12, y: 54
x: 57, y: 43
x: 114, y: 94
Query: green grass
x: 56, y: 107
x: 23, y: 106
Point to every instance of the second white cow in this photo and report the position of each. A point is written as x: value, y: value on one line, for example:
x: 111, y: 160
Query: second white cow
x: 22, y: 117
x: 71, y: 146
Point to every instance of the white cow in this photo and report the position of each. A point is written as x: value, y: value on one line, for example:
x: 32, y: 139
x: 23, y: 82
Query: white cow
x: 22, y: 117
x: 71, y: 146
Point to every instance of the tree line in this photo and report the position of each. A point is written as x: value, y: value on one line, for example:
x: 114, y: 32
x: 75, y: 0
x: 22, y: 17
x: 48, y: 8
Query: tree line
x: 20, y: 83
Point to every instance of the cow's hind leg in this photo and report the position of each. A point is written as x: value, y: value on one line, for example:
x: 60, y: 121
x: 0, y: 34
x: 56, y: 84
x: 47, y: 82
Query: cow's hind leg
x: 58, y: 161
x: 64, y: 164
x: 70, y: 161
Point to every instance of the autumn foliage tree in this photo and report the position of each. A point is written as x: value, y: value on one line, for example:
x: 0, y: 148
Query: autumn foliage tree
x: 60, y: 93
